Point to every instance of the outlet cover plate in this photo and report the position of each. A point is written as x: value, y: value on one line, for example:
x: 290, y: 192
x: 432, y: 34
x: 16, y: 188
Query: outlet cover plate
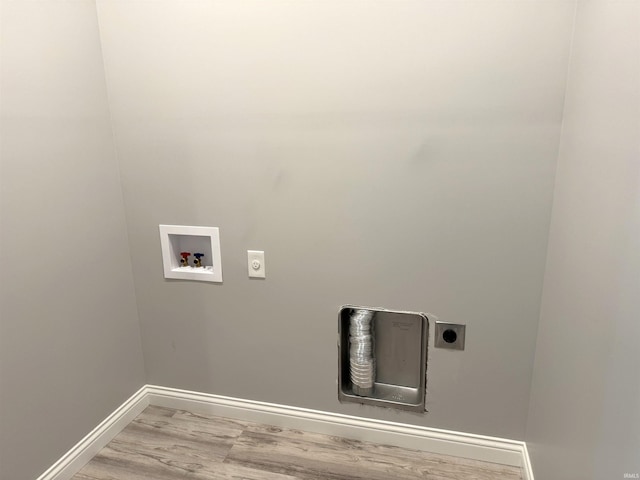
x: 255, y: 264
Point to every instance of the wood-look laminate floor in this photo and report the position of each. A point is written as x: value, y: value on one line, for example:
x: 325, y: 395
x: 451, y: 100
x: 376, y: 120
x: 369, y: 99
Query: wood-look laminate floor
x: 165, y: 444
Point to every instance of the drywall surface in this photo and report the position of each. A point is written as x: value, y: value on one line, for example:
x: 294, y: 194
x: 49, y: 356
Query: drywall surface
x: 70, y: 349
x: 393, y: 154
x: 584, y: 420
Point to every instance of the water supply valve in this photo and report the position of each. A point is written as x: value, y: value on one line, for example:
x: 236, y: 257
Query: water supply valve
x: 198, y: 261
x: 184, y: 261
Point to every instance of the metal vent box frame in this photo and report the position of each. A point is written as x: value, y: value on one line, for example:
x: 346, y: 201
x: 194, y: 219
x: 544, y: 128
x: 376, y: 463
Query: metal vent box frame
x: 400, y: 351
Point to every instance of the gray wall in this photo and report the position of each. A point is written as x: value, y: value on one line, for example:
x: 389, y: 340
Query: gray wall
x: 584, y: 420
x: 69, y: 338
x: 397, y: 154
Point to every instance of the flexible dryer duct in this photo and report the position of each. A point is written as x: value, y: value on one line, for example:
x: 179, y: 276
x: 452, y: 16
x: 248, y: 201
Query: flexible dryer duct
x: 362, y: 363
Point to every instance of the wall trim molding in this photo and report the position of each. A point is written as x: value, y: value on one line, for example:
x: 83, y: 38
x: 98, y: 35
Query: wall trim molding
x: 477, y: 447
x: 78, y: 456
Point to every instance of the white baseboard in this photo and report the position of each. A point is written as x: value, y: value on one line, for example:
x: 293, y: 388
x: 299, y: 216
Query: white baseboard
x: 477, y: 447
x: 527, y: 469
x: 76, y: 458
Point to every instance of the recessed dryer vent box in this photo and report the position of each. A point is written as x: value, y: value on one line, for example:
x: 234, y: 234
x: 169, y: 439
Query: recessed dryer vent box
x: 178, y: 239
x: 399, y: 347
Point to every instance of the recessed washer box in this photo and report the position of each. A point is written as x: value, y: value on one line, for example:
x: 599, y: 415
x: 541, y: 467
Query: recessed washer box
x: 175, y: 239
x: 400, y: 351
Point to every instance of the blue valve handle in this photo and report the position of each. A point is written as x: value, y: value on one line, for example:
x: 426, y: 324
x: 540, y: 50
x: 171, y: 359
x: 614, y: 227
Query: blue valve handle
x: 197, y: 262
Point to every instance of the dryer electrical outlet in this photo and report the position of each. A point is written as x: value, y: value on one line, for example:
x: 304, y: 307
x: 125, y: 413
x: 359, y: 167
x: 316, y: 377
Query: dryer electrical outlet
x: 450, y: 335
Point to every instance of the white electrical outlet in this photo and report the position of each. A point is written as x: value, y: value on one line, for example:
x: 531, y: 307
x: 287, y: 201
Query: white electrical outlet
x: 255, y: 264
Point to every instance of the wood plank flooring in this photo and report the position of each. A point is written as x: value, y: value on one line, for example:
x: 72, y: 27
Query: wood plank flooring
x: 165, y: 444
